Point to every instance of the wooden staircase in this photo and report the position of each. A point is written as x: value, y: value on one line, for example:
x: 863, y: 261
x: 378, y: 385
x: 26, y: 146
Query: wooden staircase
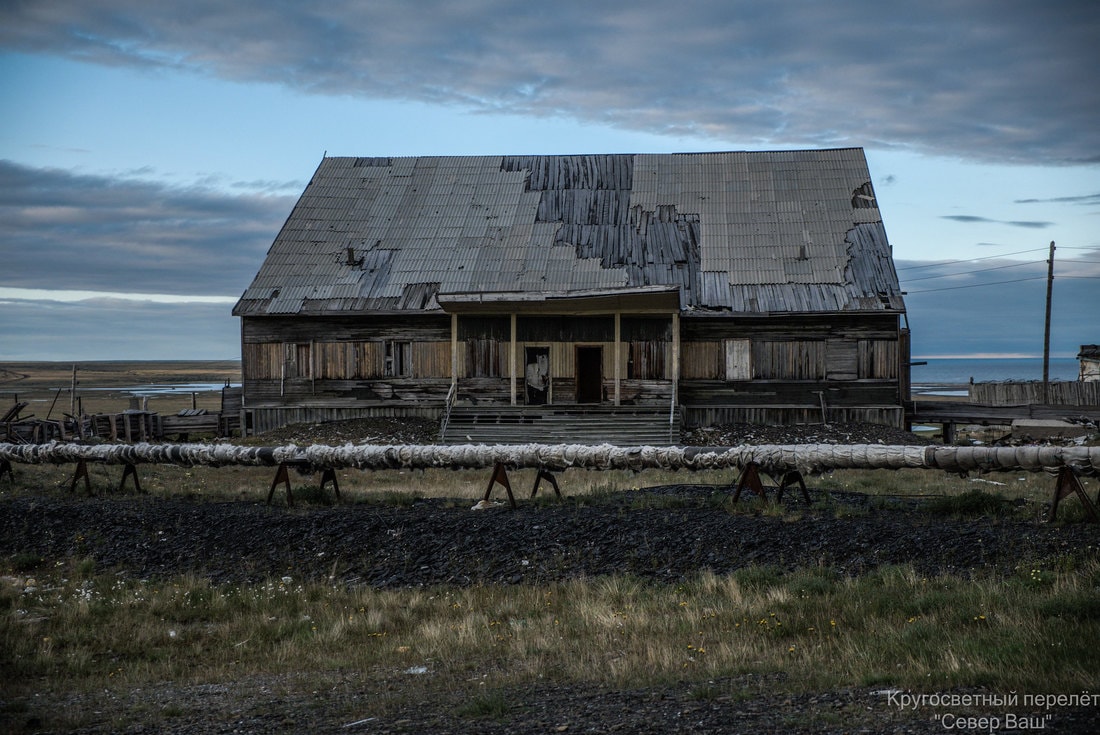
x: 621, y: 426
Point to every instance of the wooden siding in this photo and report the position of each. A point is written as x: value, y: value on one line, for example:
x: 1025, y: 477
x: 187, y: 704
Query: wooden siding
x: 261, y: 420
x: 564, y: 329
x: 841, y: 360
x: 787, y: 393
x: 648, y: 360
x: 696, y: 416
x: 788, y: 360
x: 341, y: 360
x: 309, y: 392
x: 702, y: 360
x: 431, y: 359
x: 779, y: 368
x: 1064, y: 393
x: 738, y: 354
x: 878, y: 358
x: 485, y: 358
x: 424, y: 328
x: 262, y: 361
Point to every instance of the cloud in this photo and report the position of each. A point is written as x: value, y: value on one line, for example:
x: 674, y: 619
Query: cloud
x: 997, y: 80
x: 65, y: 231
x: 113, y: 329
x: 973, y: 219
x: 1086, y: 199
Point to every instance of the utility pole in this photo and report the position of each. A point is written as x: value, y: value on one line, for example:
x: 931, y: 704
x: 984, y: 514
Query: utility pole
x: 72, y: 394
x: 1046, y: 330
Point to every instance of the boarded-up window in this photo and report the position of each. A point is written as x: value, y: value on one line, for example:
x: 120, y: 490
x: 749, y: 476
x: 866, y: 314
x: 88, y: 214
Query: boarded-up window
x: 335, y: 360
x: 299, y: 362
x: 431, y: 359
x: 370, y: 358
x: 788, y: 360
x: 262, y: 361
x: 646, y: 360
x: 738, y: 359
x: 841, y: 359
x: 485, y: 358
x: 878, y: 358
x: 701, y: 361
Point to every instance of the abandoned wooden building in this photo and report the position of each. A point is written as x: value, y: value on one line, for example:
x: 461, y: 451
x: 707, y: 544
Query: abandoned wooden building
x: 495, y: 292
x: 1089, y: 360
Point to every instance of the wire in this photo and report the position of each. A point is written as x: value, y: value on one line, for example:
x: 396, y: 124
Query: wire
x: 979, y: 285
x: 970, y: 260
x: 980, y: 270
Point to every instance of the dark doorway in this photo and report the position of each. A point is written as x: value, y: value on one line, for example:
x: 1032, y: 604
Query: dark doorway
x: 536, y: 375
x: 589, y: 374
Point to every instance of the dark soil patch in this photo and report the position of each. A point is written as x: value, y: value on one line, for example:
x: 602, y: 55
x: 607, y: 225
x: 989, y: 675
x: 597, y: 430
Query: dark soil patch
x: 671, y: 534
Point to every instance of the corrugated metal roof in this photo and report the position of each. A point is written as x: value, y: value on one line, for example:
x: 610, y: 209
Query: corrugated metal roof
x: 779, y: 231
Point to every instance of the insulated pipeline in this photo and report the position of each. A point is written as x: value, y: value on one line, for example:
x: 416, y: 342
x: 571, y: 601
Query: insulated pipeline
x: 771, y: 458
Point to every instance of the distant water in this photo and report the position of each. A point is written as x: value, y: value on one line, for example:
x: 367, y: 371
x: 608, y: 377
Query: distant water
x: 159, y: 389
x: 982, y: 370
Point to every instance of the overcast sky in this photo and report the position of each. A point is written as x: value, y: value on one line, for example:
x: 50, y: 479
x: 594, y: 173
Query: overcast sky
x: 149, y: 152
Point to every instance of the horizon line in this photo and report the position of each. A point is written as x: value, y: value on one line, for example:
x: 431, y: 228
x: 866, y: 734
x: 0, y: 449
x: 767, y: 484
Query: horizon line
x: 993, y: 356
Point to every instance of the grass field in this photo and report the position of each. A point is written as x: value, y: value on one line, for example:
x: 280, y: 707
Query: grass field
x: 67, y: 626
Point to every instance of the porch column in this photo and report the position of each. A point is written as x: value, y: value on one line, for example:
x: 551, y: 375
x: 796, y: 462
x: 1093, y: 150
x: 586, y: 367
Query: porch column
x: 454, y: 355
x: 512, y: 358
x: 618, y: 354
x: 675, y: 358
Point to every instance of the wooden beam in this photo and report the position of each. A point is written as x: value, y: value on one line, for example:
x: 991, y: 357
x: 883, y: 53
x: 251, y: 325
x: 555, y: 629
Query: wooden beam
x: 675, y: 358
x: 618, y: 356
x: 500, y: 476
x: 512, y: 359
x: 454, y: 352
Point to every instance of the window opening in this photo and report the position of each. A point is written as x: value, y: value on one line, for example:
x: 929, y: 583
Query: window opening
x: 398, y: 362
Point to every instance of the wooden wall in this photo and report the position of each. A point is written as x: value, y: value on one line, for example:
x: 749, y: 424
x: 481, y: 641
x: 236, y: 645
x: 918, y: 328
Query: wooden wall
x: 346, y: 361
x: 782, y: 369
x: 727, y: 366
x: 1021, y: 393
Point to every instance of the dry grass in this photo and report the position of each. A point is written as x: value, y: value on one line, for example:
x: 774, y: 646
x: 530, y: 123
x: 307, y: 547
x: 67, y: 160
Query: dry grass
x: 67, y: 627
x: 401, y: 486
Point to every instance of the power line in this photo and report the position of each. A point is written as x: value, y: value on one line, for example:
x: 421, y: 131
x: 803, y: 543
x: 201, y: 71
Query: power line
x: 980, y: 270
x: 970, y: 260
x: 979, y: 285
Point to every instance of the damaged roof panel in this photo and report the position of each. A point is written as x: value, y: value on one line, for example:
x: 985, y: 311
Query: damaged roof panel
x: 742, y: 232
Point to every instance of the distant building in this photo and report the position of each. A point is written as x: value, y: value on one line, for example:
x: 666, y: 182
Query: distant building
x: 1089, y: 357
x: 707, y: 288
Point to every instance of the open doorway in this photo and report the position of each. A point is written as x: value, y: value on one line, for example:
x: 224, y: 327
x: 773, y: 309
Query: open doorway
x: 589, y: 374
x: 536, y: 375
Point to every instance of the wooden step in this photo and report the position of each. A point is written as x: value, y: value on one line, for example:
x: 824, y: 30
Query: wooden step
x: 560, y: 425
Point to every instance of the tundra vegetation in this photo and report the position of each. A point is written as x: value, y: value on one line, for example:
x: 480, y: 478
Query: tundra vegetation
x: 71, y: 629
x: 67, y: 625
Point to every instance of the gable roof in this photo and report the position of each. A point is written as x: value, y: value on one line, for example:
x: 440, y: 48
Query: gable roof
x: 740, y: 232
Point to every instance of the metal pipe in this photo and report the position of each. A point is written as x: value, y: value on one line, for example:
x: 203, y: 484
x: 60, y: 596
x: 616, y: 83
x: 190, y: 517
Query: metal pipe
x: 555, y: 457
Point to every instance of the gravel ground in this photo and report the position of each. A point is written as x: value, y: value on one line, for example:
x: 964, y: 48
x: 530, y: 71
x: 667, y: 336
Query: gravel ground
x: 437, y: 541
